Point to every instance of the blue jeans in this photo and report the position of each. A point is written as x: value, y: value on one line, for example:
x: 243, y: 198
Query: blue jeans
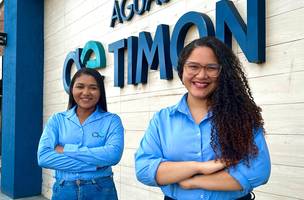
x: 95, y: 189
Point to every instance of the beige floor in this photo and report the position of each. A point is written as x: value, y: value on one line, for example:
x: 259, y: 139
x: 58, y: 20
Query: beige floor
x: 4, y: 197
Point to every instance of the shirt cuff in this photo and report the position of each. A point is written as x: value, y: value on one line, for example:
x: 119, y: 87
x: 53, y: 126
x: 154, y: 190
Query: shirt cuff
x: 147, y: 173
x: 70, y: 148
x: 239, y: 177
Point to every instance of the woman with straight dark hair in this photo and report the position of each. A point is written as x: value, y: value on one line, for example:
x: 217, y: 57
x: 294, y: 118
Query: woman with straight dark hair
x: 211, y: 144
x: 82, y: 143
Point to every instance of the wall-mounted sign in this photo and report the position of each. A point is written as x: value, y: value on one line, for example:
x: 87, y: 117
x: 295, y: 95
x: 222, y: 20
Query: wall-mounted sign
x: 82, y: 58
x: 145, y: 53
x: 119, y: 10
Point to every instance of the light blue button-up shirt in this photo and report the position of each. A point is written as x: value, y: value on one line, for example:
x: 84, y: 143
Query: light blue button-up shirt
x: 173, y: 135
x: 90, y: 148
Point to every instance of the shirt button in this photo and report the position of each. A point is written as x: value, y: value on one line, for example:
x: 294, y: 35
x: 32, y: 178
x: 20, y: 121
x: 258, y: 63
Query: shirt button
x: 202, y: 196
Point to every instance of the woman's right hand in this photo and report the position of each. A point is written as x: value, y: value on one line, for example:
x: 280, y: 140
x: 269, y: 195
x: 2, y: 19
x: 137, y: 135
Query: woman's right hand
x: 59, y: 149
x: 211, y: 166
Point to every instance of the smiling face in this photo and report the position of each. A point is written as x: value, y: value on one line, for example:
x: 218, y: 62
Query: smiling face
x: 200, y: 85
x: 86, y: 92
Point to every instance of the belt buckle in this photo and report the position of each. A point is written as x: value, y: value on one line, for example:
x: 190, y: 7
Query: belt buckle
x: 78, y: 182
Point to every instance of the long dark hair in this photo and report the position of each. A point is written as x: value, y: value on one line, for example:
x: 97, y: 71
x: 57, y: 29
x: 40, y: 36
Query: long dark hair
x: 235, y: 115
x: 102, y: 102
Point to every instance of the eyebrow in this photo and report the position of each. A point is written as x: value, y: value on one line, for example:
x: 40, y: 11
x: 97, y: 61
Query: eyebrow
x: 86, y: 84
x: 193, y: 62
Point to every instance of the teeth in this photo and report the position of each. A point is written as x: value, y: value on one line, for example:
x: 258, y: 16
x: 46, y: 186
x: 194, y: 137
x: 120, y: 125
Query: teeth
x: 200, y: 84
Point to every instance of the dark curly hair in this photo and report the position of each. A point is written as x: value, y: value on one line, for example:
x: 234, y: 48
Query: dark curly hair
x: 235, y: 114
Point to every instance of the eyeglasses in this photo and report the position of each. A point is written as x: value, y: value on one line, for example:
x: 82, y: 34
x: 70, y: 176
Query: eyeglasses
x: 194, y: 68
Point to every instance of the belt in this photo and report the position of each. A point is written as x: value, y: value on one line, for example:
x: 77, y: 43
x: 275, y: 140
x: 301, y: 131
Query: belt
x: 246, y: 197
x: 79, y: 182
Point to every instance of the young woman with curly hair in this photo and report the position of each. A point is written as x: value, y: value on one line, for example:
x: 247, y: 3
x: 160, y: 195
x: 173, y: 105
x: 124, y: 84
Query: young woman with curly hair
x: 211, y: 144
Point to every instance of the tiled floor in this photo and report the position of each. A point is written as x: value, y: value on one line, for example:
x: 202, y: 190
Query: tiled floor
x: 4, y: 197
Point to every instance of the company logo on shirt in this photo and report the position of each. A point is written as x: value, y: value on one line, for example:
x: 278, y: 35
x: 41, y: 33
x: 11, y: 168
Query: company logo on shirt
x: 96, y: 134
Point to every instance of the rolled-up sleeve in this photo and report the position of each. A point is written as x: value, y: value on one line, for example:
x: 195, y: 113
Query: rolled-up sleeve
x: 149, y: 155
x: 259, y: 168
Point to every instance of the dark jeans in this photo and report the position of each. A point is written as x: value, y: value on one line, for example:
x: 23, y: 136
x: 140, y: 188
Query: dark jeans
x: 247, y: 197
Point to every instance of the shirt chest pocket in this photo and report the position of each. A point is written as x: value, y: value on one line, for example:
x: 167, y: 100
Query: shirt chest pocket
x: 182, y: 148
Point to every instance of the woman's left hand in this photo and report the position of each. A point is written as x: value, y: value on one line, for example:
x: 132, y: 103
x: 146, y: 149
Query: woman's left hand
x: 59, y: 149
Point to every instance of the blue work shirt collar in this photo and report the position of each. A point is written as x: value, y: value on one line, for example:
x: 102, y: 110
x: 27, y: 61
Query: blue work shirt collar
x: 182, y: 107
x: 96, y: 115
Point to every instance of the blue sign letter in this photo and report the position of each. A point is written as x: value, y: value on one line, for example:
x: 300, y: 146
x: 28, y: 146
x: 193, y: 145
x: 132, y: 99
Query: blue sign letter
x: 116, y: 14
x: 132, y: 59
x: 136, y: 7
x: 72, y: 57
x: 122, y: 10
x: 119, y: 67
x: 251, y: 38
x: 154, y: 53
x: 96, y: 48
x: 200, y: 20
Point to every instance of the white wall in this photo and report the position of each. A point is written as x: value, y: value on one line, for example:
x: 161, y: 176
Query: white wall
x: 277, y: 85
